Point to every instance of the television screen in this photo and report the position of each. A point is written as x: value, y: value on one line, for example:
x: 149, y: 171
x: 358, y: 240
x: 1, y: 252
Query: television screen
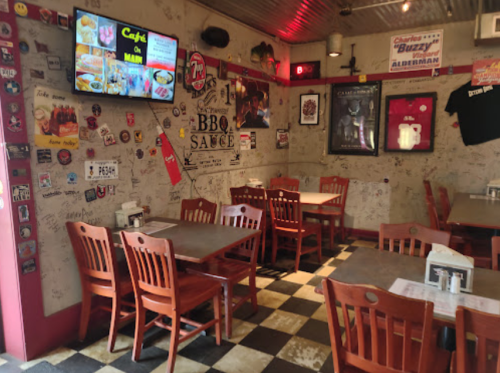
x: 118, y: 59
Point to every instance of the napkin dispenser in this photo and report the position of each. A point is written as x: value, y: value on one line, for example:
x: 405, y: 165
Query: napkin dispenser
x: 442, y: 258
x: 129, y: 212
x: 493, y: 185
x: 254, y: 183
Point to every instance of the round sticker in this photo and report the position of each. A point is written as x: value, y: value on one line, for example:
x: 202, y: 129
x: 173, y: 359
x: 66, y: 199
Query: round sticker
x: 24, y: 46
x: 21, y: 9
x: 5, y: 30
x: 96, y: 110
x: 92, y: 123
x: 125, y: 136
x: 14, y: 124
x: 139, y: 153
x: 176, y: 112
x: 90, y: 153
x: 12, y: 87
x: 423, y: 108
x: 13, y: 107
x: 167, y: 123
x: 64, y: 157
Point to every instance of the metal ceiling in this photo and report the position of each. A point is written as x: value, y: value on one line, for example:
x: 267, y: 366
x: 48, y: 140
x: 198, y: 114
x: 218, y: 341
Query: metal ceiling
x: 304, y: 21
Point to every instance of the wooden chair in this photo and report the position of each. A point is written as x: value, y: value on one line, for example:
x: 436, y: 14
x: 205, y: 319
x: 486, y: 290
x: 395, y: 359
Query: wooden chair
x: 158, y: 288
x: 428, y: 192
x: 495, y: 252
x: 485, y: 328
x: 231, y: 270
x: 286, y: 183
x: 198, y: 210
x: 419, y: 237
x: 287, y: 222
x: 255, y: 197
x: 386, y: 341
x: 100, y: 274
x: 332, y: 210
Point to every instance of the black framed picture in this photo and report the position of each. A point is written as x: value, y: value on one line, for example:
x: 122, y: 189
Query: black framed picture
x: 409, y: 122
x: 354, y: 119
x: 309, y: 109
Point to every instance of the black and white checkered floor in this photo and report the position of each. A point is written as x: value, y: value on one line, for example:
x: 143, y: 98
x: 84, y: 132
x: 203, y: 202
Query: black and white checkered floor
x: 288, y: 334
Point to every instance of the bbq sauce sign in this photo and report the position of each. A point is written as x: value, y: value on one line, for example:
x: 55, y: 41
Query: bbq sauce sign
x: 212, y: 134
x: 131, y: 44
x: 101, y: 170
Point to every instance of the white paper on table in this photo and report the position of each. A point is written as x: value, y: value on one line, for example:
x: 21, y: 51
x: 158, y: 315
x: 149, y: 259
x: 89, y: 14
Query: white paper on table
x: 151, y: 227
x: 445, y: 303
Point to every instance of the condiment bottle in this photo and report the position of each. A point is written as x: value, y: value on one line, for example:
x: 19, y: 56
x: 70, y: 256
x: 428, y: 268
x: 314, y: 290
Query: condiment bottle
x: 443, y: 280
x: 455, y: 283
x: 137, y: 223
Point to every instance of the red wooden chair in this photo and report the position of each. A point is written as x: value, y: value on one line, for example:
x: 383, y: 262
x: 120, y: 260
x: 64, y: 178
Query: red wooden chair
x: 255, y: 197
x: 428, y: 192
x: 231, y: 270
x: 485, y: 328
x: 287, y: 222
x: 286, y: 183
x: 198, y: 210
x: 100, y: 274
x: 158, y: 288
x: 416, y: 235
x: 495, y: 252
x: 384, y: 341
x: 334, y: 209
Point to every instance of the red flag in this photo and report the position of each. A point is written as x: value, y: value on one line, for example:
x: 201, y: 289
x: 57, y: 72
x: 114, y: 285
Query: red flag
x: 169, y: 158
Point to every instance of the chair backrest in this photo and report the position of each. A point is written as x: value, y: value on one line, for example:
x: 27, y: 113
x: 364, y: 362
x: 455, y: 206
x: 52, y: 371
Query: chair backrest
x: 286, y: 183
x: 285, y: 208
x: 486, y: 329
x: 375, y: 345
x: 335, y: 185
x: 243, y: 216
x: 255, y: 197
x: 428, y: 188
x: 433, y: 215
x: 151, y: 262
x: 416, y: 235
x: 495, y: 252
x: 445, y: 206
x: 198, y: 210
x: 94, y: 251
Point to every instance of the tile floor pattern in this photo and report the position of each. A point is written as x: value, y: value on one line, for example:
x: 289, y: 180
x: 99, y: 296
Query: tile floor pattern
x: 288, y: 334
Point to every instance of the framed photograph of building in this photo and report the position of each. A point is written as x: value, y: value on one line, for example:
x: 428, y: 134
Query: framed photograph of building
x: 309, y: 109
x: 354, y: 118
x: 409, y: 122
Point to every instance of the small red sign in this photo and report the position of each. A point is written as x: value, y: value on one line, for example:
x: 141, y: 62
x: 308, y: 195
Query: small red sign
x: 130, y: 119
x: 486, y: 72
x: 197, y: 72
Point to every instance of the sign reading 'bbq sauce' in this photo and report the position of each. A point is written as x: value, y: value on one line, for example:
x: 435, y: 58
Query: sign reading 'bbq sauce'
x: 131, y: 44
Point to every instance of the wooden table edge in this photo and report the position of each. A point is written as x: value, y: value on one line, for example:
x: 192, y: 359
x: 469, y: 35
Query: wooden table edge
x: 321, y: 204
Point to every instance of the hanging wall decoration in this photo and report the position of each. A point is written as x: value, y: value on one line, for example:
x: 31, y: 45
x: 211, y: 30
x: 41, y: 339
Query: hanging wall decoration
x: 282, y: 140
x: 309, y: 109
x: 195, y: 72
x: 252, y: 104
x: 409, y: 122
x: 354, y: 120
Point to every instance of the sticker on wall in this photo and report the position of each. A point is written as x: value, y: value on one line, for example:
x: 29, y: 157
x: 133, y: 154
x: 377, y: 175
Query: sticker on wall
x: 111, y: 190
x: 90, y: 153
x: 245, y: 141
x: 183, y: 108
x: 167, y: 123
x: 25, y: 231
x: 64, y: 157
x: 28, y: 266
x: 7, y: 72
x: 200, y: 105
x: 176, y: 112
x: 90, y: 195
x: 101, y: 191
x: 181, y: 133
x: 13, y: 107
x: 139, y: 154
x: 4, y: 6
x: 37, y: 74
x: 18, y: 151
x: 26, y: 249
x: 130, y: 119
x: 109, y: 139
x: 153, y: 152
x: 92, y: 123
x: 103, y: 130
x: 24, y: 47
x: 12, y: 87
x: 96, y: 110
x: 192, y: 123
x: 54, y: 62
x: 6, y: 57
x: 23, y: 213
x: 44, y: 181
x: 138, y: 136
x: 14, y: 124
x: 84, y: 133
x: 41, y: 48
x: 44, y: 155
x: 253, y: 140
x: 62, y: 21
x: 101, y: 170
x: 20, y: 8
x: 282, y: 141
x: 20, y: 192
x: 71, y: 178
x: 158, y: 141
x: 46, y: 16
x: 125, y: 136
x: 19, y: 172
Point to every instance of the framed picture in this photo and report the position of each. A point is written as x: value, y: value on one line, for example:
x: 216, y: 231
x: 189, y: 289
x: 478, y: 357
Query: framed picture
x: 309, y: 109
x: 409, y: 122
x: 354, y: 119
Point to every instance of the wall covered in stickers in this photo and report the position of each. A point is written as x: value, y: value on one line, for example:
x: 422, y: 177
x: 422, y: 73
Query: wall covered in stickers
x: 201, y: 128
x: 452, y: 164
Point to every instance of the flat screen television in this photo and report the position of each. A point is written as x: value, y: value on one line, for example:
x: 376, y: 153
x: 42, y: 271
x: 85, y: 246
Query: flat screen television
x: 113, y: 58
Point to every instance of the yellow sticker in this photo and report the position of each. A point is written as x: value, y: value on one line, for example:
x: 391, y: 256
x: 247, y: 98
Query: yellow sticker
x: 362, y: 78
x: 181, y: 133
x: 21, y: 9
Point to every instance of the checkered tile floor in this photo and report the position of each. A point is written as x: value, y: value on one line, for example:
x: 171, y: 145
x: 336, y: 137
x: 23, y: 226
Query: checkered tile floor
x: 288, y: 334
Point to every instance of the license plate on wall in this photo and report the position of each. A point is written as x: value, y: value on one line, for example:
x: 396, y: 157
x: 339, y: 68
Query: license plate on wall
x: 101, y: 170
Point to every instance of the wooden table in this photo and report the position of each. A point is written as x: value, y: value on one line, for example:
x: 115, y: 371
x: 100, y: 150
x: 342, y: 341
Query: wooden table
x: 197, y: 242
x: 382, y: 268
x: 475, y: 212
x: 309, y: 198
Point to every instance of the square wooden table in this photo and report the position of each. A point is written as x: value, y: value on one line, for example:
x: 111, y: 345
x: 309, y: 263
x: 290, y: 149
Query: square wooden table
x: 475, y: 212
x: 198, y: 242
x: 309, y: 198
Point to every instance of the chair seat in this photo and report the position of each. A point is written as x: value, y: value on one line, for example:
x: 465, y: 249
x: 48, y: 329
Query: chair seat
x: 307, y: 228
x: 193, y: 290
x: 221, y: 270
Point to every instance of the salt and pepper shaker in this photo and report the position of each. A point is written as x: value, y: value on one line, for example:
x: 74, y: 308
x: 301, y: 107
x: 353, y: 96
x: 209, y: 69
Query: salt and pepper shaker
x: 493, y: 193
x: 443, y: 280
x: 137, y: 223
x: 455, y: 283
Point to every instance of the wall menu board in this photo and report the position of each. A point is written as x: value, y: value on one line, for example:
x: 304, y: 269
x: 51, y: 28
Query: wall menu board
x: 119, y: 59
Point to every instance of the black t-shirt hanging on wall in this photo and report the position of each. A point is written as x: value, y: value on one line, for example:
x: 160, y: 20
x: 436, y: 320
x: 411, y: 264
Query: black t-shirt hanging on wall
x: 478, y: 111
